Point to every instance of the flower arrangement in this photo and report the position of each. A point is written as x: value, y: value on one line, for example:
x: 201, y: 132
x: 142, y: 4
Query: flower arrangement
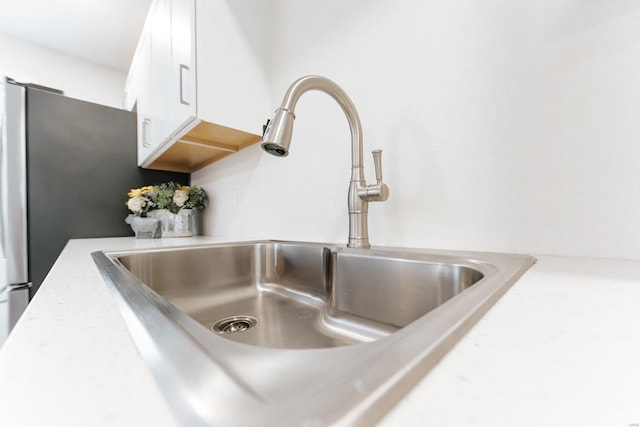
x: 139, y: 203
x: 169, y: 195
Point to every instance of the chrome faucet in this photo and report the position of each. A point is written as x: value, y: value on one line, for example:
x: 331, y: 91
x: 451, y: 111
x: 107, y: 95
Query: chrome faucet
x: 276, y: 140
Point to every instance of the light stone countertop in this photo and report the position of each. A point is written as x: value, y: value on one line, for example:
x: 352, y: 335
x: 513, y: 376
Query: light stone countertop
x: 561, y: 348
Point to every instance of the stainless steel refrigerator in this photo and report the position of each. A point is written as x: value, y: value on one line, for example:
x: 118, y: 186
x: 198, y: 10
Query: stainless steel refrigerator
x: 66, y: 168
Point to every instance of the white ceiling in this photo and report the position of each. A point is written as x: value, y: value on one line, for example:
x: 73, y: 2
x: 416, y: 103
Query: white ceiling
x: 103, y: 32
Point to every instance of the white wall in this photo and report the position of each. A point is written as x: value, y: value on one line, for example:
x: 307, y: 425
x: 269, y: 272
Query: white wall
x: 79, y: 79
x: 506, y: 125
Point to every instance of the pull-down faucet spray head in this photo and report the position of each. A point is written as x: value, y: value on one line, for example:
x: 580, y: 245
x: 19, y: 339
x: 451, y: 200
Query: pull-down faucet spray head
x: 277, y: 136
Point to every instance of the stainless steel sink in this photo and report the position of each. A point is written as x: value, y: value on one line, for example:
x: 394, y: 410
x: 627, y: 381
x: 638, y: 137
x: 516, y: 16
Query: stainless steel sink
x: 286, y: 333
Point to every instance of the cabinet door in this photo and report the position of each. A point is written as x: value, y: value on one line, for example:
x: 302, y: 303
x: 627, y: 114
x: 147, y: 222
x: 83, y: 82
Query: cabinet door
x: 161, y: 78
x: 144, y: 105
x: 153, y: 79
x: 182, y: 96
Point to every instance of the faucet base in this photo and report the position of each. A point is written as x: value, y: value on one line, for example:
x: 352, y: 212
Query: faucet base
x: 359, y: 243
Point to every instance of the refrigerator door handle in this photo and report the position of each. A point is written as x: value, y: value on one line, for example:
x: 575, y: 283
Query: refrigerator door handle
x: 18, y: 301
x: 19, y: 286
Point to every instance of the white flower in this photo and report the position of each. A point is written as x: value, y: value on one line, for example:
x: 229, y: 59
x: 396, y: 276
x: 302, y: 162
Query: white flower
x: 137, y: 204
x: 180, y: 197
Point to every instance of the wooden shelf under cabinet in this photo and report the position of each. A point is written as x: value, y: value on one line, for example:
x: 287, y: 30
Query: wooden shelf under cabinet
x: 201, y: 146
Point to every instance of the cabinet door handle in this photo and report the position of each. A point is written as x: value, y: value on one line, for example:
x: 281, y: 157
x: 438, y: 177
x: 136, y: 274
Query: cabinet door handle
x: 146, y: 139
x: 183, y: 68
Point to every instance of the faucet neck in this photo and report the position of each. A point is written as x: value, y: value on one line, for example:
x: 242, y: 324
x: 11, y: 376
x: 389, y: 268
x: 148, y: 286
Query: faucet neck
x: 327, y: 86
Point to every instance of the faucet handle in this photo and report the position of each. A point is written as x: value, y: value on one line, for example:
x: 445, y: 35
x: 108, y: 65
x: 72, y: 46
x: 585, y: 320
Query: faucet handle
x: 378, y: 192
x: 377, y: 162
x: 265, y: 126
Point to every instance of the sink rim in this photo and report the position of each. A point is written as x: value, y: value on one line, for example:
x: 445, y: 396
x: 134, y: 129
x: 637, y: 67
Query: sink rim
x: 349, y: 394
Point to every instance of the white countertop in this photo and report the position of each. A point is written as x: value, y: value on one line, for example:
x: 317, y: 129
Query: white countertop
x: 561, y: 348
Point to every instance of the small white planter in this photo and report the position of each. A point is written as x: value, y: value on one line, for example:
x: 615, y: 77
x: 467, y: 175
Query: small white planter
x: 144, y: 228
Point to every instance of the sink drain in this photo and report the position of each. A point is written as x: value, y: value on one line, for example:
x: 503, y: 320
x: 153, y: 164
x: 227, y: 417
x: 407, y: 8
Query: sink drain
x: 230, y: 325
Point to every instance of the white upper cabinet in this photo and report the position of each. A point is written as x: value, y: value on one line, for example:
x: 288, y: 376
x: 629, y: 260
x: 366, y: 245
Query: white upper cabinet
x: 199, y: 86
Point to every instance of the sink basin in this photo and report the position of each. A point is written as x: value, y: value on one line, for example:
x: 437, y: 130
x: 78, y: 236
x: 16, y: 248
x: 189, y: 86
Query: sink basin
x: 287, y: 295
x: 289, y: 333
